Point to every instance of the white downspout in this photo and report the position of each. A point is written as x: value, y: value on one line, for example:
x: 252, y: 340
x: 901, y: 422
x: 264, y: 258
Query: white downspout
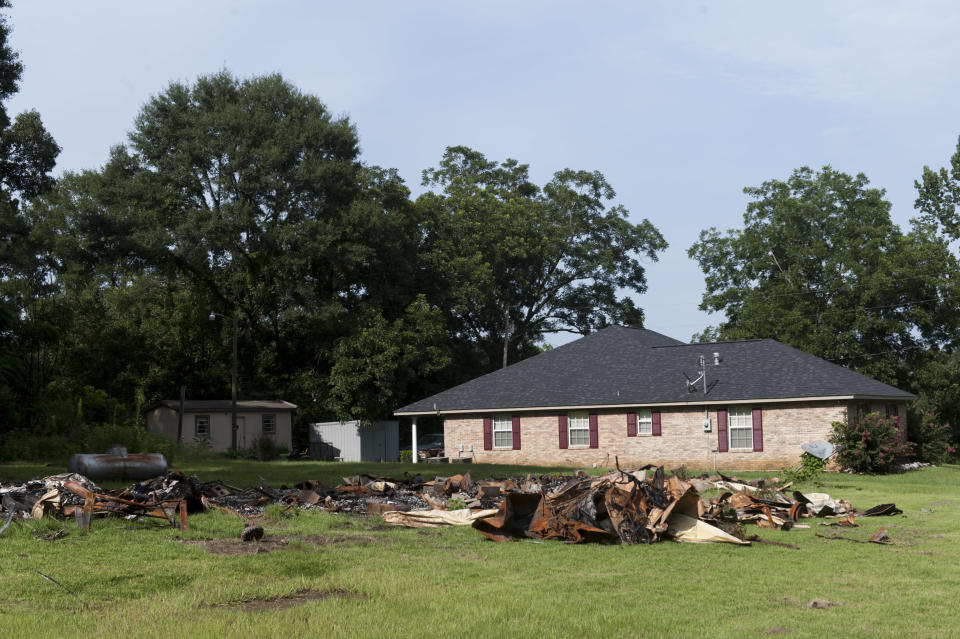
x: 413, y: 439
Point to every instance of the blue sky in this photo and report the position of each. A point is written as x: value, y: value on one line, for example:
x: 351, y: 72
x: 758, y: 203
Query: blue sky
x: 679, y: 104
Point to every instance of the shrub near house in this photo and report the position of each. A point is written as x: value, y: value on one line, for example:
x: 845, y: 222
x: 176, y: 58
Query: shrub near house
x: 932, y: 437
x: 871, y: 444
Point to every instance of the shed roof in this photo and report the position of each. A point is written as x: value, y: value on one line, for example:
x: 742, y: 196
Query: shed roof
x: 629, y: 366
x: 224, y: 405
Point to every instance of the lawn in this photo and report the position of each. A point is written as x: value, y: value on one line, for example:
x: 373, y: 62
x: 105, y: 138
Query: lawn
x: 357, y: 578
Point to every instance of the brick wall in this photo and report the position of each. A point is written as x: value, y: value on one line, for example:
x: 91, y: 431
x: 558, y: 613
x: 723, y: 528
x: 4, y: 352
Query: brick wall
x: 785, y: 427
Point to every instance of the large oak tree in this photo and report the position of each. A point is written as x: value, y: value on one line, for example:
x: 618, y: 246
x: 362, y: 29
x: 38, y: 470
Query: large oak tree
x: 512, y: 262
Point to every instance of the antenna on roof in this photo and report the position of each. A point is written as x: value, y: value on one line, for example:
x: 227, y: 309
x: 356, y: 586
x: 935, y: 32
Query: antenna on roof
x: 702, y: 367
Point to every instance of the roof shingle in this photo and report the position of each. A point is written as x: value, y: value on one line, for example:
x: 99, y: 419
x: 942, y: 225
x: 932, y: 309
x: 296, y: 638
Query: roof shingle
x: 626, y: 366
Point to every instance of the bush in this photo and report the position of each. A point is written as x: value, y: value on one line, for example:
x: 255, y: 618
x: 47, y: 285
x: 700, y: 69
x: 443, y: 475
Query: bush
x: 278, y: 512
x: 266, y: 449
x: 870, y: 446
x: 20, y: 445
x: 406, y: 456
x: 97, y: 438
x: 932, y: 437
x: 809, y: 469
x: 200, y: 449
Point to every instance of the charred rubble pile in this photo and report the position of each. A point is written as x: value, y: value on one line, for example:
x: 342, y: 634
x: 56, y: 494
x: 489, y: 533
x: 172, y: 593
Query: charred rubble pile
x: 624, y: 506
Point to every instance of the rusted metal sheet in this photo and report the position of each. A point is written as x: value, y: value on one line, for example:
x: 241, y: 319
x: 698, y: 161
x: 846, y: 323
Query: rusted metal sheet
x: 512, y: 520
x: 619, y: 508
x: 376, y: 507
x: 883, y: 510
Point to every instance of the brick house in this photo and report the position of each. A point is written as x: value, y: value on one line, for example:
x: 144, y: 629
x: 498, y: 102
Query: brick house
x: 647, y: 398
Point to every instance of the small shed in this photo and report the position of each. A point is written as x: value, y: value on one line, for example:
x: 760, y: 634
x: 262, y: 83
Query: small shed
x: 210, y: 420
x: 352, y: 441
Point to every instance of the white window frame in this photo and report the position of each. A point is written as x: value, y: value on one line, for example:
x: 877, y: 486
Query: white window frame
x: 197, y: 419
x: 740, y: 419
x: 503, y: 431
x: 578, y: 423
x: 644, y: 421
x: 268, y: 418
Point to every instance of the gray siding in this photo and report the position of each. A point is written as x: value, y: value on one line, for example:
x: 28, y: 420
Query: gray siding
x: 350, y: 441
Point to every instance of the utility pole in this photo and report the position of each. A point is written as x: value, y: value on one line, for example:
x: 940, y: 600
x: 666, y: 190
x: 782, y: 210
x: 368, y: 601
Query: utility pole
x: 183, y: 397
x: 233, y: 390
x: 234, y: 427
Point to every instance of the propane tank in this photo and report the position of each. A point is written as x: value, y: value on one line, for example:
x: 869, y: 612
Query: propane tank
x: 117, y: 463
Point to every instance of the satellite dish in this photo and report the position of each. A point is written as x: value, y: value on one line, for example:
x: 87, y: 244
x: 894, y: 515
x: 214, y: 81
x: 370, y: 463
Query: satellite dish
x: 820, y: 450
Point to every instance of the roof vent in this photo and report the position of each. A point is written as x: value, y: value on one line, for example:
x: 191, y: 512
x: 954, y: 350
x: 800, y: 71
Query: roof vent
x: 716, y: 359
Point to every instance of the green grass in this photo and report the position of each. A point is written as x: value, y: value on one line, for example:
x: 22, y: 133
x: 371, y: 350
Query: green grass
x: 140, y: 579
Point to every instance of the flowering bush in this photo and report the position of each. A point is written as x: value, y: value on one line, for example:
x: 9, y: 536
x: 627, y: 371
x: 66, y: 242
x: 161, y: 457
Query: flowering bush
x: 932, y: 438
x: 870, y: 446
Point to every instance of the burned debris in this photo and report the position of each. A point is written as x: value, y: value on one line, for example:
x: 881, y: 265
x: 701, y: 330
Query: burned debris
x: 641, y: 506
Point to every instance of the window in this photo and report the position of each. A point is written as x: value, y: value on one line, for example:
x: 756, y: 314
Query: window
x: 644, y: 422
x: 578, y: 429
x: 201, y: 425
x: 269, y: 424
x: 502, y: 431
x: 741, y: 428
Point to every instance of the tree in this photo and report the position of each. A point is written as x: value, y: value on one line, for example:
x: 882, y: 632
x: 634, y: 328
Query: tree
x: 938, y: 196
x: 27, y: 156
x: 245, y: 197
x: 820, y: 266
x: 511, y: 262
x: 938, y: 200
x: 384, y: 362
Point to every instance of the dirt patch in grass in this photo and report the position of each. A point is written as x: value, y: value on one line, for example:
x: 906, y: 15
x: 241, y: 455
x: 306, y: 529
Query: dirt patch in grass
x: 777, y: 630
x: 298, y: 599
x: 342, y: 540
x: 232, y: 546
x: 815, y: 603
x: 236, y: 547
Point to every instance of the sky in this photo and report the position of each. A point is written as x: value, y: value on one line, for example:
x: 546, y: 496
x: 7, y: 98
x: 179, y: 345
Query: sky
x: 679, y: 104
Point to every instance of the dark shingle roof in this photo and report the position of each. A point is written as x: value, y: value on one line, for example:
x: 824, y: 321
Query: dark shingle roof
x: 619, y: 365
x: 223, y: 405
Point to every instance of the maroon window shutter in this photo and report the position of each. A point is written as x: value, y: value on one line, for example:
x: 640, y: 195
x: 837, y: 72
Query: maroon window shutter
x: 655, y: 423
x: 722, y: 444
x: 488, y: 433
x: 594, y: 433
x: 516, y: 433
x: 631, y: 424
x: 758, y: 430
x: 562, y: 429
